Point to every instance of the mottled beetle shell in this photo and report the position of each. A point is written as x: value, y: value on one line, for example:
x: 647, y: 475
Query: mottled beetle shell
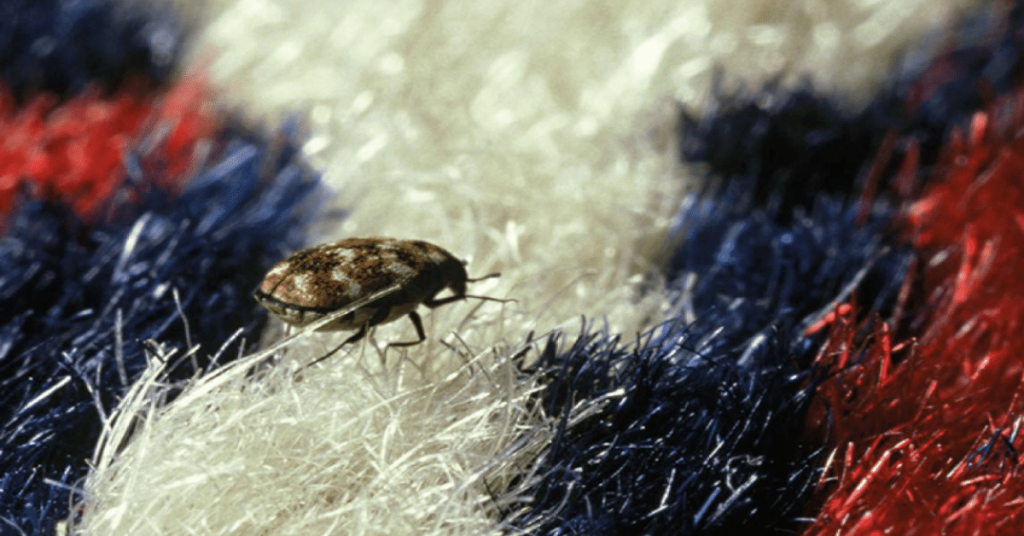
x: 320, y: 280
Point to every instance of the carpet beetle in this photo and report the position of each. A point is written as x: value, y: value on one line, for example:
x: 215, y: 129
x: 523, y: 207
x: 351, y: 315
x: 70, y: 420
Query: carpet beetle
x: 320, y: 280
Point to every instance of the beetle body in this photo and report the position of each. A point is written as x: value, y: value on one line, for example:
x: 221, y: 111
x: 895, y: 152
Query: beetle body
x: 320, y: 280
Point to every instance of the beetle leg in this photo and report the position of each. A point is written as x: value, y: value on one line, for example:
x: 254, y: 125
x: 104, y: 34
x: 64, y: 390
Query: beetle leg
x: 358, y: 335
x: 418, y: 324
x: 379, y: 316
x: 434, y: 302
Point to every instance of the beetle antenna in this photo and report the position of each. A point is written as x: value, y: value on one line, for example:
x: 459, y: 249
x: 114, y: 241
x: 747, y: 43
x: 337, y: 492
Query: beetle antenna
x: 488, y: 298
x: 481, y: 278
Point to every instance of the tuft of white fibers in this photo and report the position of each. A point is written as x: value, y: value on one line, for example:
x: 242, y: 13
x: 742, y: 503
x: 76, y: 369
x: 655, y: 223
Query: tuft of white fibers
x: 352, y: 449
